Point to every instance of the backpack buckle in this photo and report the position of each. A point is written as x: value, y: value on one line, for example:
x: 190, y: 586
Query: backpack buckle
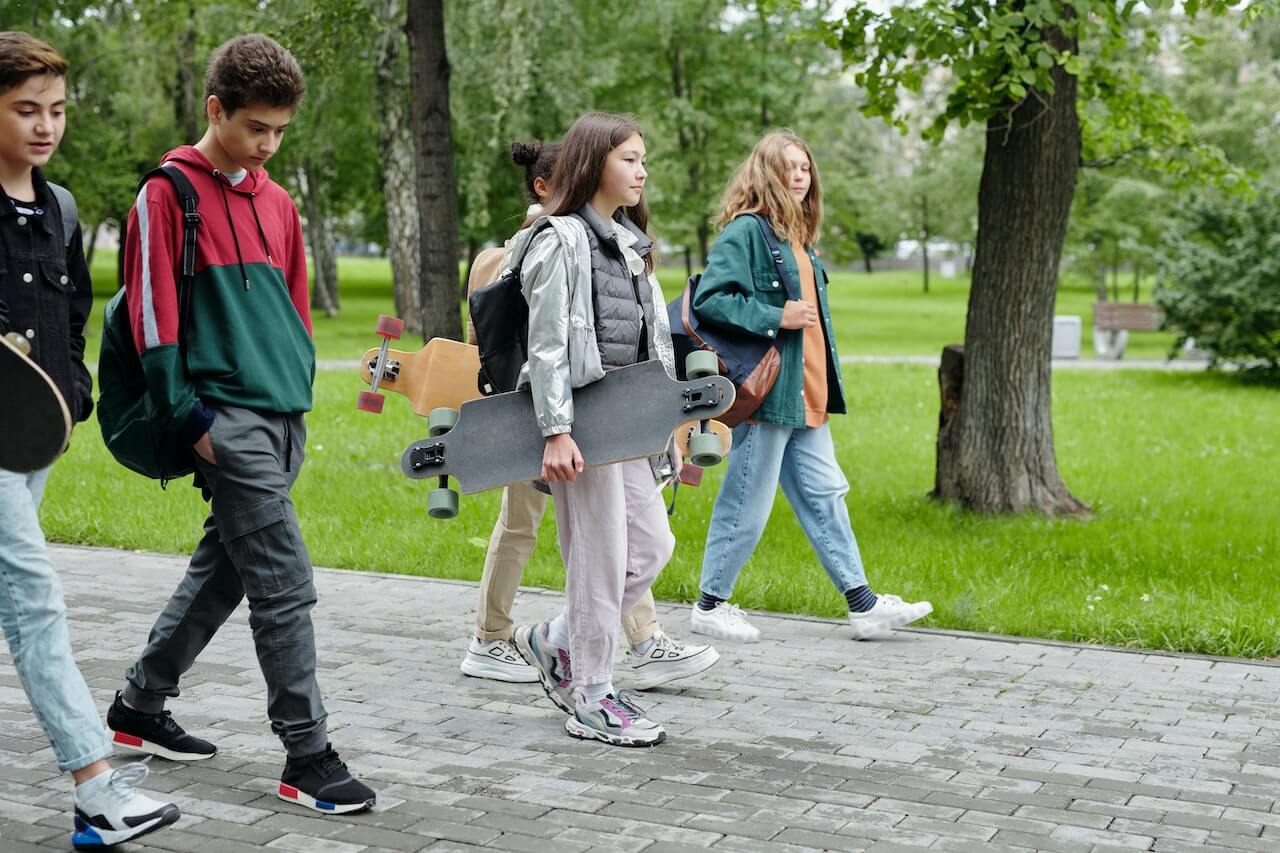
x: 191, y: 218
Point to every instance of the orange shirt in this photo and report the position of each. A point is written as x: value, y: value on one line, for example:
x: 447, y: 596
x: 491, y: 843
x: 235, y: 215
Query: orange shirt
x: 815, y: 346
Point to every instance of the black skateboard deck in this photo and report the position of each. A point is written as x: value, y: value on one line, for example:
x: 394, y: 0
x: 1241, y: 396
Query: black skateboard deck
x: 35, y: 424
x: 629, y: 414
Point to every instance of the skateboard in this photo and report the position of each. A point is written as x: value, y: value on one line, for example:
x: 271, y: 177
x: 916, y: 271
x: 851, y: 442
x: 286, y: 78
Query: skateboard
x: 631, y: 413
x: 440, y: 375
x: 691, y: 475
x: 35, y: 423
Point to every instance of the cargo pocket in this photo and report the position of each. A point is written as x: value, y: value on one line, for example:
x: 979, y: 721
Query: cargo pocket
x: 266, y: 546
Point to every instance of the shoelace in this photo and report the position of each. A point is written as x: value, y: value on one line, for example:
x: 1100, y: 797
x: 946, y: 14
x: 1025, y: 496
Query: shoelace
x: 169, y: 724
x: 670, y: 644
x: 328, y: 763
x: 890, y: 599
x: 626, y: 703
x: 732, y: 612
x: 124, y: 780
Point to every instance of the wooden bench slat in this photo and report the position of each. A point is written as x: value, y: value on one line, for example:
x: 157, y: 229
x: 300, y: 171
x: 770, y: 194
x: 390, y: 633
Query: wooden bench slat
x: 1133, y: 316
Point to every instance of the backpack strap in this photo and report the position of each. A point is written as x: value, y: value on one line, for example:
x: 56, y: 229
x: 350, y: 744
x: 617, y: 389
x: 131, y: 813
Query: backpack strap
x: 67, y: 207
x: 771, y: 240
x: 189, y: 201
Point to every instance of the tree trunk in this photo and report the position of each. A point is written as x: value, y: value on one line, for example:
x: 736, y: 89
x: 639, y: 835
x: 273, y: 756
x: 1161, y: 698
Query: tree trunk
x: 91, y: 245
x: 187, y: 103
x: 997, y: 453
x: 924, y: 243
x: 704, y: 237
x: 433, y: 143
x: 395, y: 145
x: 866, y: 262
x: 324, y: 257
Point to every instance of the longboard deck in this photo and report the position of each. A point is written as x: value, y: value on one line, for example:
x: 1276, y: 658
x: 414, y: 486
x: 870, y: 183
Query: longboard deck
x: 629, y: 414
x: 441, y: 374
x: 35, y: 424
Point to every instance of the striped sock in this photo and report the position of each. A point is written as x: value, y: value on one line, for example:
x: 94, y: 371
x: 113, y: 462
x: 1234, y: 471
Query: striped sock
x: 860, y: 598
x: 708, y: 602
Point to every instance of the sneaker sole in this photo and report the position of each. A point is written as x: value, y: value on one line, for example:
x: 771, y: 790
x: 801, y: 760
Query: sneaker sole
x: 290, y: 794
x: 883, y: 628
x: 521, y: 640
x: 723, y: 635
x: 94, y: 838
x: 581, y: 732
x: 655, y: 674
x: 481, y: 667
x: 137, y: 744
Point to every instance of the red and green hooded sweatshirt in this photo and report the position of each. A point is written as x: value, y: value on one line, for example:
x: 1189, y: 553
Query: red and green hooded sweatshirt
x: 248, y: 333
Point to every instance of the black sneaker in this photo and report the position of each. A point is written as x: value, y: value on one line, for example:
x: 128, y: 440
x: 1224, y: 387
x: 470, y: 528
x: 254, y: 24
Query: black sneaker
x: 322, y: 782
x: 156, y: 734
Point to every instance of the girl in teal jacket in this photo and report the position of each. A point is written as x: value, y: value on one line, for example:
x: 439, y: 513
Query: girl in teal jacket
x: 787, y: 440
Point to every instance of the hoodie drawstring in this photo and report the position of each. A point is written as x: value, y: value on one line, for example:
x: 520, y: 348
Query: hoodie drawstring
x: 239, y: 257
x: 266, y: 247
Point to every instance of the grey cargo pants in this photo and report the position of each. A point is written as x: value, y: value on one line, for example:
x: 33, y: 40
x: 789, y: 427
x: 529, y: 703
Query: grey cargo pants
x: 251, y: 547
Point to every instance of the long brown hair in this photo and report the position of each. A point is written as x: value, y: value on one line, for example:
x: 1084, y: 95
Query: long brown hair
x: 580, y: 166
x: 760, y: 186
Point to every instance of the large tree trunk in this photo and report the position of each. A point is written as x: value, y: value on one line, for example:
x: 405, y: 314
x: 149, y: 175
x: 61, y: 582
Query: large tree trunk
x: 188, y: 105
x: 996, y: 454
x: 399, y: 188
x: 324, y: 256
x: 433, y: 144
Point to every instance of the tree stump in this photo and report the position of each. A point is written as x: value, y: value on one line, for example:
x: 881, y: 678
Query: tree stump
x: 950, y: 385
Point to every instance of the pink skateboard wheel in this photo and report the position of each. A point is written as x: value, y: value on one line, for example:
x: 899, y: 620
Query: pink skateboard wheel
x: 390, y: 327
x: 370, y: 402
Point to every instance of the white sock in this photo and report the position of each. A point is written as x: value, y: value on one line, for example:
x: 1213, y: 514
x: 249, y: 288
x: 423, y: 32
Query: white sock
x: 642, y: 649
x: 592, y: 693
x: 558, y: 632
x: 86, y: 788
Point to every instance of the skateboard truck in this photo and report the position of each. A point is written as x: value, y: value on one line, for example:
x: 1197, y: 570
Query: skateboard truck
x: 390, y: 328
x: 426, y: 455
x: 390, y: 370
x: 705, y: 397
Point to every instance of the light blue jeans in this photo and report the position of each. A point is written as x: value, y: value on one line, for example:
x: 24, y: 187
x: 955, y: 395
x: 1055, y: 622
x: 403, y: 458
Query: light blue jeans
x: 34, y: 618
x: 803, y: 461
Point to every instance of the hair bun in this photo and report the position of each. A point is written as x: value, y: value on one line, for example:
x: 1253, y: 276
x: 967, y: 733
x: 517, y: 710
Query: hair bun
x: 525, y: 153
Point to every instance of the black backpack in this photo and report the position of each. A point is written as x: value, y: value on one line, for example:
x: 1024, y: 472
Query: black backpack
x: 131, y: 427
x: 500, y: 316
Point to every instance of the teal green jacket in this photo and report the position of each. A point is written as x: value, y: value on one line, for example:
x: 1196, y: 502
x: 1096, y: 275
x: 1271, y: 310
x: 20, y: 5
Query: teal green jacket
x: 740, y: 290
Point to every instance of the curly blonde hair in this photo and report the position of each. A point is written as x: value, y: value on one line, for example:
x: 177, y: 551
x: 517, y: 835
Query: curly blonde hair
x: 760, y: 186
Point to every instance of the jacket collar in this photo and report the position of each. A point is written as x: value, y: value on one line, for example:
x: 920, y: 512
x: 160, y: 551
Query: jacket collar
x: 44, y: 202
x: 604, y: 230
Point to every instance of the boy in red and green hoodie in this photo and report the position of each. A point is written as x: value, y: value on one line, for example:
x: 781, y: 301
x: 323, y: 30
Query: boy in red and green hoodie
x: 235, y: 387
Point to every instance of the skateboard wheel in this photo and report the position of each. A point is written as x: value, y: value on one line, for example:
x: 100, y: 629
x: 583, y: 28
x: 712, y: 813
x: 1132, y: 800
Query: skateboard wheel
x: 700, y: 363
x: 442, y: 420
x: 390, y: 327
x: 370, y: 402
x: 442, y: 503
x: 705, y: 450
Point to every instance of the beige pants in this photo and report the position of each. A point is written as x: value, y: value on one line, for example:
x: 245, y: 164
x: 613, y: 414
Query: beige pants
x: 510, y: 546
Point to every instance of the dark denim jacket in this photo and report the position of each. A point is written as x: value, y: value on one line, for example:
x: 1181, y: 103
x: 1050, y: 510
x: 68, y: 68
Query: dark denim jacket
x: 46, y: 294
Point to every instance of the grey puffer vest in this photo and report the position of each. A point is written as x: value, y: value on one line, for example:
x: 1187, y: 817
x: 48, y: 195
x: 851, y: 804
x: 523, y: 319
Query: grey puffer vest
x: 619, y: 296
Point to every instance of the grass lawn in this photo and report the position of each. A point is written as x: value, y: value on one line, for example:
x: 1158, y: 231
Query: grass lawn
x: 1179, y: 468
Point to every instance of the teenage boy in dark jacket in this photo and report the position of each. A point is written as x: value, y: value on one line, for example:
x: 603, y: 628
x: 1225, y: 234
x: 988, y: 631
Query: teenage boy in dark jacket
x: 236, y: 389
x: 45, y: 296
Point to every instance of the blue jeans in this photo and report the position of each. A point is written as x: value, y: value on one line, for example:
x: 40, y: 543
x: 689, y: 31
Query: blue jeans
x: 34, y: 618
x: 804, y: 462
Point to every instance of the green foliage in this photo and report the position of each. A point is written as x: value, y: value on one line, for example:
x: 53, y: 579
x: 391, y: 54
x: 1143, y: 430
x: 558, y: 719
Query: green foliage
x: 1220, y: 279
x: 999, y: 55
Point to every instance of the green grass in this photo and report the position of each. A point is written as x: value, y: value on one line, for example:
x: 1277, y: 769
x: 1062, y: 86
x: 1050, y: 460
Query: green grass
x: 1181, y: 553
x: 880, y: 314
x: 1179, y: 468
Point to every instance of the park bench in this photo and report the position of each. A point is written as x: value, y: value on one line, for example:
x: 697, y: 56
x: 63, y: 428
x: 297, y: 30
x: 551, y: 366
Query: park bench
x: 1112, y: 322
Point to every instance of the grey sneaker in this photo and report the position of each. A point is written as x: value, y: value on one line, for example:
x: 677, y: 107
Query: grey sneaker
x: 667, y: 660
x: 616, y: 720
x: 552, y: 663
x: 497, y: 660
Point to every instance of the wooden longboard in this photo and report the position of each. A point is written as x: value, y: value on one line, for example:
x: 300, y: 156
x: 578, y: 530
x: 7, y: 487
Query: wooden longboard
x: 629, y: 414
x: 35, y: 424
x: 441, y: 374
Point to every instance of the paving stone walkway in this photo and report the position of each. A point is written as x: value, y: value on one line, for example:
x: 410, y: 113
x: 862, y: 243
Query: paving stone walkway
x: 805, y: 741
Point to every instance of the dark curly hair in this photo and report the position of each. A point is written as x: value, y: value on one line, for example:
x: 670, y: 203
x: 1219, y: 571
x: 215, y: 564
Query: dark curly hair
x: 253, y: 70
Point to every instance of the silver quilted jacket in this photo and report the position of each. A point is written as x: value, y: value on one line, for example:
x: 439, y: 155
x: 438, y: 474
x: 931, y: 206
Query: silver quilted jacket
x: 555, y: 275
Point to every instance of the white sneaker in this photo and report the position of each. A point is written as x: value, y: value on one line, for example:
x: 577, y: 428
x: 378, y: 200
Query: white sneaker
x: 889, y: 612
x: 667, y: 660
x: 498, y: 660
x: 726, y: 622
x: 114, y: 810
x: 616, y: 720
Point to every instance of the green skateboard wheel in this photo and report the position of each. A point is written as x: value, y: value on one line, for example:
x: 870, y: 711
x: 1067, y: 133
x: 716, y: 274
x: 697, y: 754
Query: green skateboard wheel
x: 442, y: 503
x: 700, y: 363
x: 442, y: 420
x: 705, y: 450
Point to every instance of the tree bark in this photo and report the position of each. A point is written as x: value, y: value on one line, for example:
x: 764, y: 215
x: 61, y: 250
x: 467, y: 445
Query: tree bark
x: 924, y: 243
x: 187, y: 105
x: 319, y: 229
x: 433, y: 160
x: 395, y: 145
x: 997, y: 454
